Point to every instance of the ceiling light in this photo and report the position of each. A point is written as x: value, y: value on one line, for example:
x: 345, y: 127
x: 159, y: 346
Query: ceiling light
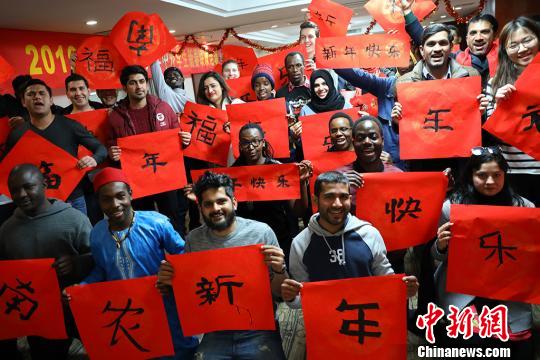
x: 443, y: 16
x: 458, y: 8
x: 304, y: 9
x: 91, y: 22
x: 273, y: 26
x: 172, y: 31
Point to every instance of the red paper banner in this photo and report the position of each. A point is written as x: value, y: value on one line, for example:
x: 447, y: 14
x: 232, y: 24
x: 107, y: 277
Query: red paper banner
x: 241, y: 88
x: 494, y: 252
x: 440, y: 118
x: 366, y: 102
x: 202, y: 300
x: 261, y: 182
x: 4, y: 133
x: 121, y: 319
x: 244, y: 56
x: 100, y: 63
x: 209, y: 141
x: 517, y: 120
x: 95, y: 121
x: 390, y: 17
x: 153, y: 162
x: 332, y: 18
x: 42, y: 54
x: 141, y: 38
x: 271, y: 115
x: 379, y: 50
x: 7, y: 73
x: 192, y: 60
x: 30, y: 299
x: 316, y: 141
x: 277, y: 62
x: 361, y: 318
x: 404, y: 207
x: 57, y: 166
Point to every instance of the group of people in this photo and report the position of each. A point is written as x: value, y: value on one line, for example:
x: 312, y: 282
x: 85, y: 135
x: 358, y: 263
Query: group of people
x: 101, y: 234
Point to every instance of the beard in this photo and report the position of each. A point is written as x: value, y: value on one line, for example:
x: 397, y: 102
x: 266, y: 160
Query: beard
x: 221, y: 225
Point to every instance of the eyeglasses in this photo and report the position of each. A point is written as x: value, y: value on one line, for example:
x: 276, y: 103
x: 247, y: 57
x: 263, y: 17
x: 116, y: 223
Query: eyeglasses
x: 341, y: 129
x: 255, y: 143
x: 527, y: 43
x: 481, y: 150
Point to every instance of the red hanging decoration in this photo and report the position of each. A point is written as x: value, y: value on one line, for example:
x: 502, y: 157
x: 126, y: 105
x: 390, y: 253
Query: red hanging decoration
x: 463, y: 20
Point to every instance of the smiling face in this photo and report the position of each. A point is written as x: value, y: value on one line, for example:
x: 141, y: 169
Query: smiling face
x: 480, y: 37
x: 321, y: 88
x: 174, y: 79
x: 27, y: 190
x: 368, y: 142
x: 115, y: 201
x: 217, y: 209
x: 37, y: 100
x: 262, y: 88
x: 522, y: 46
x: 308, y: 36
x: 78, y: 93
x: 340, y: 134
x: 436, y: 50
x: 334, y: 203
x: 488, y: 180
x: 251, y: 145
x: 213, y: 91
x: 230, y: 71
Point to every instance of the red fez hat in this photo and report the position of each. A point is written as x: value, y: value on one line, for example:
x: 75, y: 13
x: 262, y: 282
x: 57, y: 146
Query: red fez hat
x: 109, y: 175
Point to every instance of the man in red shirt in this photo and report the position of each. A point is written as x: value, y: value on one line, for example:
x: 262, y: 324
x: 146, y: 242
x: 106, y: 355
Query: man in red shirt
x: 139, y: 113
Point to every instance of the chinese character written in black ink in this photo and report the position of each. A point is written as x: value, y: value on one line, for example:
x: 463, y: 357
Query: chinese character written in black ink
x: 373, y: 50
x: 535, y: 117
x: 103, y: 61
x: 210, y: 294
x: 235, y: 183
x: 329, y: 52
x: 330, y: 21
x: 498, y: 248
x: 241, y: 63
x: 19, y: 297
x: 140, y: 35
x: 282, y: 73
x: 283, y: 182
x: 412, y: 206
x: 360, y: 323
x: 194, y: 119
x: 318, y: 15
x: 258, y: 182
x: 151, y: 160
x: 53, y: 180
x: 393, y: 51
x: 118, y: 323
x: 206, y: 133
x: 436, y: 120
x: 327, y: 142
x: 350, y: 51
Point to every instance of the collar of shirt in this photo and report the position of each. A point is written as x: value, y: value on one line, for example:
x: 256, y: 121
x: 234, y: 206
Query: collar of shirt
x: 426, y: 75
x: 305, y: 84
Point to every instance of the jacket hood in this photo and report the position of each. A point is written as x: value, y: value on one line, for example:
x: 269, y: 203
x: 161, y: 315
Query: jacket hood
x: 352, y: 223
x: 56, y: 207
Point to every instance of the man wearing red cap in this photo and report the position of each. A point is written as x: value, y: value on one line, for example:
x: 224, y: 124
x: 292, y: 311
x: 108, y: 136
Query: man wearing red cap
x: 131, y: 244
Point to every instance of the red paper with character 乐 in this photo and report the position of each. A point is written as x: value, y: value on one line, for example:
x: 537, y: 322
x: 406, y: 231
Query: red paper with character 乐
x: 494, y: 252
x: 261, y: 182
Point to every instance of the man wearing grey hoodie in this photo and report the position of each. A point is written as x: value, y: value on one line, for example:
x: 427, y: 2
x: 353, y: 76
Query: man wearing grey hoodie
x: 336, y: 244
x: 45, y: 228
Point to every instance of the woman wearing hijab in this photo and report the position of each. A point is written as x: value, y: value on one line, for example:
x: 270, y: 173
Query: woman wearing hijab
x: 324, y: 96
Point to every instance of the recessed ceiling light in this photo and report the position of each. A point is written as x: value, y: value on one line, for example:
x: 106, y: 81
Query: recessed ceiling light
x: 432, y: 22
x: 273, y: 26
x: 443, y: 16
x: 304, y: 9
x: 91, y: 22
x: 172, y: 31
x: 458, y: 8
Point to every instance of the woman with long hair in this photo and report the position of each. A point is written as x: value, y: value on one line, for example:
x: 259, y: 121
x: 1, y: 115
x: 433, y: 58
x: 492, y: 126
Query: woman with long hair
x: 324, y: 96
x: 484, y: 181
x: 280, y: 215
x: 519, y: 44
x: 213, y: 91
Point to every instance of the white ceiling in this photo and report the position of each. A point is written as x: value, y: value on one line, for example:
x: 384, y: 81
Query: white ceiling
x: 255, y: 19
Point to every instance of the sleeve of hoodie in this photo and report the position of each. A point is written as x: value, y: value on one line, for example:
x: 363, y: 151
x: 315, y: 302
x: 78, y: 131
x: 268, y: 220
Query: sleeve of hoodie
x: 170, y: 115
x: 380, y: 87
x: 177, y: 99
x: 297, y: 269
x: 414, y: 28
x: 372, y: 237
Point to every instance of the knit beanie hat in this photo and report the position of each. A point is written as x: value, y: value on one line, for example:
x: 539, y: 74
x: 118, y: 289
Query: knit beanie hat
x: 262, y: 70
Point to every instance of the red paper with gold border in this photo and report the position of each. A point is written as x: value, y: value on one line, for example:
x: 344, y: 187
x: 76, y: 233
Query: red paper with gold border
x: 247, y: 303
x: 404, y: 207
x: 332, y: 311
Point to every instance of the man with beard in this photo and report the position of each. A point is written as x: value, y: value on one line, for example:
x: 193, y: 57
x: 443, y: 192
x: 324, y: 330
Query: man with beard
x: 44, y: 228
x: 78, y: 93
x: 340, y: 129
x: 169, y: 86
x: 336, y: 244
x: 223, y: 229
x: 141, y: 113
x: 131, y: 244
x: 481, y: 51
